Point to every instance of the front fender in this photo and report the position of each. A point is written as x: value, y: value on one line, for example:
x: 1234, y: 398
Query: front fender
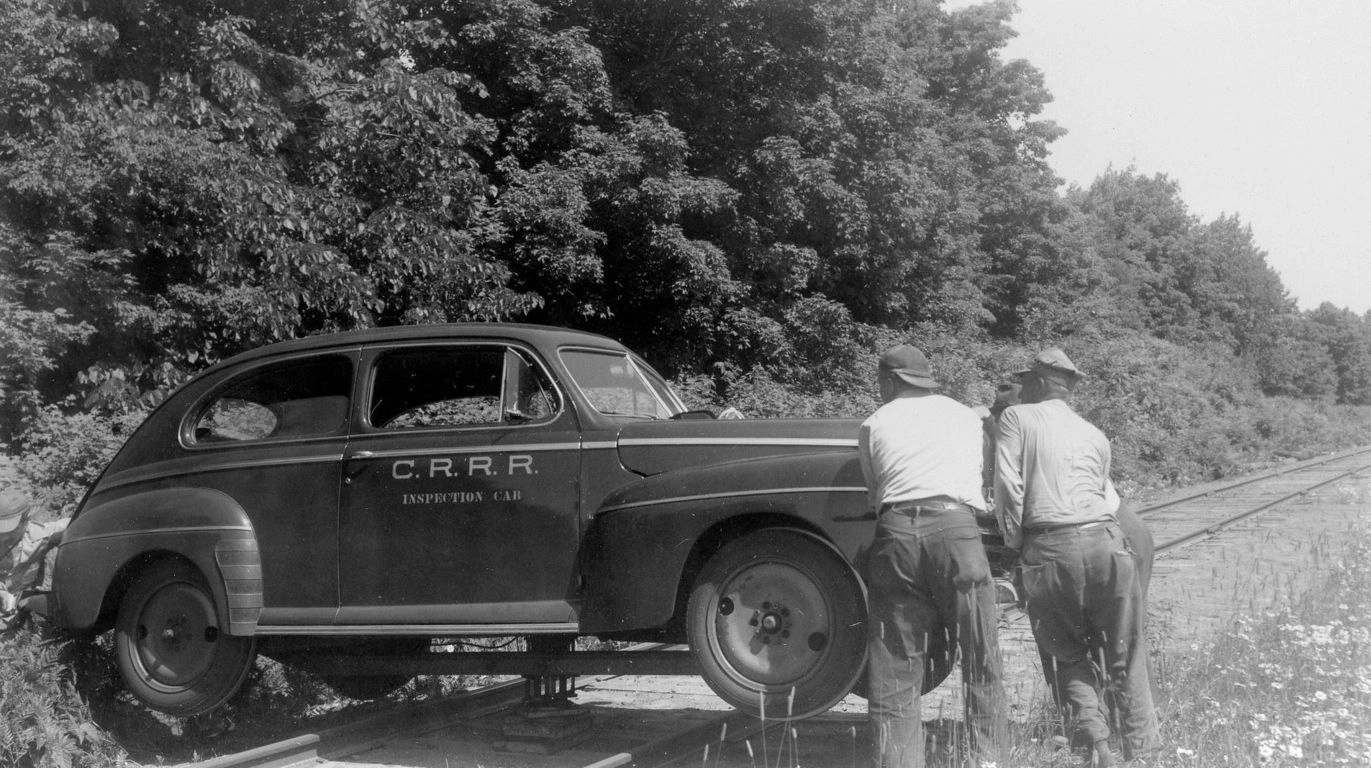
x: 108, y: 541
x: 647, y: 538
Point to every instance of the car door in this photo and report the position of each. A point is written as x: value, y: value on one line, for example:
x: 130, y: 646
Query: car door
x: 460, y: 491
x: 271, y: 438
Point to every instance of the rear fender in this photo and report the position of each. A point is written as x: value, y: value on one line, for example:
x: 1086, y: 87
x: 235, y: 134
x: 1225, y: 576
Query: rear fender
x: 106, y: 546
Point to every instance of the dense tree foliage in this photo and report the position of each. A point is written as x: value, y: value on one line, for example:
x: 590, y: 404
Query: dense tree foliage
x: 756, y: 193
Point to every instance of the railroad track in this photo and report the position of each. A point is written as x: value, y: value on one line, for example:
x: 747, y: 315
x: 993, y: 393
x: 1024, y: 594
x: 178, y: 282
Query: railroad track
x: 1205, y: 510
x: 492, y: 727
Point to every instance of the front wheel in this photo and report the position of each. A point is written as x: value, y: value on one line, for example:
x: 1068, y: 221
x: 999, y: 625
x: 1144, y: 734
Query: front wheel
x: 777, y: 621
x: 169, y: 647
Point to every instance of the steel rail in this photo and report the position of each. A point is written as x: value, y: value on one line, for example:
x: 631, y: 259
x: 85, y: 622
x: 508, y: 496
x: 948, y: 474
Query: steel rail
x: 370, y: 730
x: 1250, y: 479
x: 1224, y: 523
x: 379, y: 727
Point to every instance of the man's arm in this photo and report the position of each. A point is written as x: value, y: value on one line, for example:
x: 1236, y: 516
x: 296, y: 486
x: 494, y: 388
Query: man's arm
x: 1009, y: 482
x: 868, y: 471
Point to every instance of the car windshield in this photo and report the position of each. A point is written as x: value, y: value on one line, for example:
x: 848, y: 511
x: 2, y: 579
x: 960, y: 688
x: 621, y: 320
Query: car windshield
x: 618, y: 384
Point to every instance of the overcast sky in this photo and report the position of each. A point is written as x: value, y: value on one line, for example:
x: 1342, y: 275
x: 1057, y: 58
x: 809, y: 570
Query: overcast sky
x: 1260, y: 108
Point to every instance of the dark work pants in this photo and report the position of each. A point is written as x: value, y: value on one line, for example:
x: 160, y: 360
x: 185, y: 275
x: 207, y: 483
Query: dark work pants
x: 1086, y: 603
x: 927, y: 575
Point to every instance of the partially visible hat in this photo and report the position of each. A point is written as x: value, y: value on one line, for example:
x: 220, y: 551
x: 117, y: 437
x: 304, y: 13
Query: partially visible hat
x: 1006, y: 394
x: 909, y: 364
x: 13, y: 506
x: 1053, y: 362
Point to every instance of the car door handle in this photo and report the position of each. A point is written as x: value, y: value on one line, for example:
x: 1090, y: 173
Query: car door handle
x: 361, y: 455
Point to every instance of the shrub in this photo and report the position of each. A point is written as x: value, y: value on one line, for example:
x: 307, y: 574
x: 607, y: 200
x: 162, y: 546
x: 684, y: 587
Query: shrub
x: 43, y: 722
x: 62, y: 454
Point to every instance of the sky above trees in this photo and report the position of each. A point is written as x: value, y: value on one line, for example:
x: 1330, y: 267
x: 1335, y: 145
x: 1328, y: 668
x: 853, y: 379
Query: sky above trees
x: 1255, y: 107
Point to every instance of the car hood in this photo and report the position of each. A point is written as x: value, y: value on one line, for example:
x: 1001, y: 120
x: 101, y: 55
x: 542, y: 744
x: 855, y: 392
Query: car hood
x: 658, y: 446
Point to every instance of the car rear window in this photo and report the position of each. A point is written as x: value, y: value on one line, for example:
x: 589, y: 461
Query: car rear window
x: 298, y: 398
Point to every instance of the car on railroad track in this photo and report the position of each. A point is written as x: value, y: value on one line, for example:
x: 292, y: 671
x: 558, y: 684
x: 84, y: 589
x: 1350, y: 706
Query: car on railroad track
x: 380, y: 489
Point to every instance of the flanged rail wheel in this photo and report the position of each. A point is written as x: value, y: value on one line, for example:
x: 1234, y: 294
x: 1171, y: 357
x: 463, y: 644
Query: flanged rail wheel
x: 170, y: 649
x: 777, y: 621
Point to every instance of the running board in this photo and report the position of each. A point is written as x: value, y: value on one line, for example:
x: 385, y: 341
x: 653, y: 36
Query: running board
x: 498, y: 663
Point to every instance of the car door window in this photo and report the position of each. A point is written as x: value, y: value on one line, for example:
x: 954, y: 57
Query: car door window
x: 616, y: 386
x: 300, y: 398
x: 458, y: 386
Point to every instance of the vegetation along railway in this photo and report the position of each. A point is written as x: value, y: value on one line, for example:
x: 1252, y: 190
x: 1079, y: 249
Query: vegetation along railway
x: 497, y: 725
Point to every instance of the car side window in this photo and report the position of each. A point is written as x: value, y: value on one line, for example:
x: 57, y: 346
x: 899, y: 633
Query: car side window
x: 457, y: 386
x: 299, y: 398
x: 528, y: 394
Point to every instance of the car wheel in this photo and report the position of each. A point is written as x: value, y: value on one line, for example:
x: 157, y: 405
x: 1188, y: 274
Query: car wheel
x: 169, y: 647
x: 777, y: 621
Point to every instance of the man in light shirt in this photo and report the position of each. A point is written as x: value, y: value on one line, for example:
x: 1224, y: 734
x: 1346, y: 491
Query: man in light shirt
x: 1084, y: 595
x: 928, y: 579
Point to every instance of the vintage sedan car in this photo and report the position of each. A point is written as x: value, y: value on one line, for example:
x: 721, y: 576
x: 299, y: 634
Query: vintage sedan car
x: 380, y: 488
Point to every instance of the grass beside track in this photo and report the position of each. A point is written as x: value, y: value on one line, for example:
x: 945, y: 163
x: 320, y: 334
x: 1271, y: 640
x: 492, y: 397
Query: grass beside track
x: 1284, y: 687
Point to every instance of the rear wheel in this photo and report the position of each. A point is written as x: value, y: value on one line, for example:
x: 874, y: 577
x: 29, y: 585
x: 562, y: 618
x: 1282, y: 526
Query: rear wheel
x: 169, y: 647
x: 777, y: 620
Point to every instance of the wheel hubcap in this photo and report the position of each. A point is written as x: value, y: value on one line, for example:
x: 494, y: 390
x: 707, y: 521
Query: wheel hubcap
x: 176, y: 636
x: 765, y: 608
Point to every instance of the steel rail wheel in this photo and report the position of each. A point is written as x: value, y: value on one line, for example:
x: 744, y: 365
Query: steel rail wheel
x: 777, y: 621
x: 169, y: 647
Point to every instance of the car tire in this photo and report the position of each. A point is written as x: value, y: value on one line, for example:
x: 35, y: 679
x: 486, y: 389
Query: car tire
x: 777, y: 622
x: 169, y: 647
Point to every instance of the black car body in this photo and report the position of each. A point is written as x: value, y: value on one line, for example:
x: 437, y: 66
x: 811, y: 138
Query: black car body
x: 394, y: 485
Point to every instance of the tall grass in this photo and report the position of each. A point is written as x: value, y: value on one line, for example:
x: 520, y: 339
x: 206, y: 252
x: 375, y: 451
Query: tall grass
x: 1289, y: 686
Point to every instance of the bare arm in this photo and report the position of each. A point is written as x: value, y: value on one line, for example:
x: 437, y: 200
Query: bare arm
x: 1009, y: 480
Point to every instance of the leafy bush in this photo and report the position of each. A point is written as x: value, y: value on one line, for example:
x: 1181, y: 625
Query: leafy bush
x: 62, y: 454
x: 43, y: 721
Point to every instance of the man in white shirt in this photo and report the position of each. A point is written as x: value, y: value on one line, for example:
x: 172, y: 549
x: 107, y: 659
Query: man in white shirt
x: 927, y: 573
x: 1058, y: 510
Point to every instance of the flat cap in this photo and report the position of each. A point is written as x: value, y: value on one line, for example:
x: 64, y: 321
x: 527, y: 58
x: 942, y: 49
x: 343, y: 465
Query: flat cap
x: 1052, y: 361
x: 13, y: 506
x: 910, y: 365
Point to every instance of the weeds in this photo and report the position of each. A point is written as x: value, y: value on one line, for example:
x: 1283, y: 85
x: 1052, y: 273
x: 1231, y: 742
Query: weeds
x: 1286, y: 687
x: 43, y: 721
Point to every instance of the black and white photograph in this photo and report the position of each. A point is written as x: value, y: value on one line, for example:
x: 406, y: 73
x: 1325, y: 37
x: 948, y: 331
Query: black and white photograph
x: 669, y: 383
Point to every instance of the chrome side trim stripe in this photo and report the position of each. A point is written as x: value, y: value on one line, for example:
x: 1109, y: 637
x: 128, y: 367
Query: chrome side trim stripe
x: 466, y: 630
x: 804, y: 441
x: 734, y: 495
x: 157, y: 531
x: 225, y: 466
x: 460, y: 450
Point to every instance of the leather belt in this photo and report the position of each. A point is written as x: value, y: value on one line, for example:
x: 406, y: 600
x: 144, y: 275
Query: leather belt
x: 1067, y: 526
x: 921, y: 506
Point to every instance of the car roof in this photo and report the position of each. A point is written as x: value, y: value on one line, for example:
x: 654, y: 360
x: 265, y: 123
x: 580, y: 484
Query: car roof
x: 535, y: 334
